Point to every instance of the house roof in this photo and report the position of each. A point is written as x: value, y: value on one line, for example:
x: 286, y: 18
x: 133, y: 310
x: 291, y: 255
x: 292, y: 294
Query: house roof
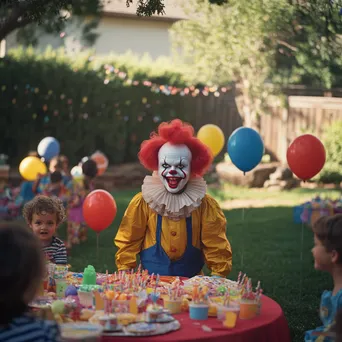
x: 118, y: 8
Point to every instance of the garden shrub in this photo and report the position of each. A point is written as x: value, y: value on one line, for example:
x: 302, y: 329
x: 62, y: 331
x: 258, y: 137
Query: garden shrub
x: 82, y: 102
x: 332, y: 140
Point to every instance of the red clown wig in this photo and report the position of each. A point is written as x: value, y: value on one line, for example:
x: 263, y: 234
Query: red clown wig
x: 176, y: 133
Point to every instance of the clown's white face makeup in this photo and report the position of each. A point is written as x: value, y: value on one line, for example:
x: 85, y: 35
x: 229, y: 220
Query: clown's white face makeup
x: 174, y: 166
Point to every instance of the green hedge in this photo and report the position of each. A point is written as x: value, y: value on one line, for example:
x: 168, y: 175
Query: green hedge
x: 52, y: 95
x: 332, y: 140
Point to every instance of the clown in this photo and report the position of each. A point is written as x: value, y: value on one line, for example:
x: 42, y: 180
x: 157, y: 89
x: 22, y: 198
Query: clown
x: 172, y: 224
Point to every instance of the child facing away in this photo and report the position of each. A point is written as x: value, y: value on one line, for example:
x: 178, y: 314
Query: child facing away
x: 12, y: 199
x: 327, y: 253
x: 79, y: 188
x: 58, y: 163
x: 56, y: 187
x: 44, y: 214
x: 22, y: 267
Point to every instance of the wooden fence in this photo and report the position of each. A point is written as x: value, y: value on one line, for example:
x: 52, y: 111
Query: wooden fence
x: 221, y: 111
x: 303, y: 114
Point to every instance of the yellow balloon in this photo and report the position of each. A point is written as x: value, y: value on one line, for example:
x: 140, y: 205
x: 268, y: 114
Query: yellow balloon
x: 213, y: 137
x: 30, y: 167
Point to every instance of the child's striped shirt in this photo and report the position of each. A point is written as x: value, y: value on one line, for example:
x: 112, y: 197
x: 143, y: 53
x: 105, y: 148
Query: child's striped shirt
x: 56, y: 251
x: 30, y: 329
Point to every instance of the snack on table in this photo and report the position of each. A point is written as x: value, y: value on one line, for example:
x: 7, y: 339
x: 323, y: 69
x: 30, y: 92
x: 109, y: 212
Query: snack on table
x: 153, y: 311
x: 42, y: 311
x: 80, y: 331
x: 86, y: 296
x: 141, y: 328
x: 199, y: 307
x: 126, y: 318
x: 213, y: 284
x: 86, y: 314
x: 109, y: 322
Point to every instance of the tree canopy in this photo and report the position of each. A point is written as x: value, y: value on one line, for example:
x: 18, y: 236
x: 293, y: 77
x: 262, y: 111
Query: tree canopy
x: 257, y: 42
x: 288, y: 41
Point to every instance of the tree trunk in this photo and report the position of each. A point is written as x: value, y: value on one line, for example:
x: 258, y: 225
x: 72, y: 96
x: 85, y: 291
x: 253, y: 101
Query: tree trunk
x: 250, y: 116
x: 14, y: 20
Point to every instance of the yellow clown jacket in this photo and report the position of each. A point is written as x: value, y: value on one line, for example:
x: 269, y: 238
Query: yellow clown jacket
x: 138, y: 232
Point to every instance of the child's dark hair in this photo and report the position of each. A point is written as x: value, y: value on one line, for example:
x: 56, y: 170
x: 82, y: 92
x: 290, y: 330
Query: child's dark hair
x: 56, y: 177
x: 89, y: 169
x: 328, y: 229
x: 22, y: 268
x: 40, y: 204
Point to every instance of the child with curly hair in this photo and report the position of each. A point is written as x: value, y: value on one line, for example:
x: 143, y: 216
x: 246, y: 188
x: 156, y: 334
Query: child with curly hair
x: 22, y: 268
x: 44, y: 214
x: 327, y: 253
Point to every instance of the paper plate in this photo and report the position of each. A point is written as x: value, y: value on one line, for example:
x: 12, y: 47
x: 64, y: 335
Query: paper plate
x: 141, y: 328
x: 80, y: 331
x: 145, y: 329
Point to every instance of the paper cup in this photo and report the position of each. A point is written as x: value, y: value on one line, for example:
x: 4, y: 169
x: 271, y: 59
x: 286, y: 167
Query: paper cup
x: 86, y: 298
x: 174, y: 306
x: 231, y: 315
x: 61, y: 286
x: 248, y: 310
x: 222, y: 310
x: 212, y: 310
x: 109, y: 322
x: 199, y: 311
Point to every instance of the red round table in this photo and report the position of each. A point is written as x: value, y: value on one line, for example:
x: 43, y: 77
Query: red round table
x: 271, y: 325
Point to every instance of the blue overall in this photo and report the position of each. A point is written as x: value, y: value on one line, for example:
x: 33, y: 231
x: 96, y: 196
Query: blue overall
x: 155, y: 260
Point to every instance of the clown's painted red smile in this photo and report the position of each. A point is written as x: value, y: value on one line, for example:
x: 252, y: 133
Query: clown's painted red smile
x: 174, y: 166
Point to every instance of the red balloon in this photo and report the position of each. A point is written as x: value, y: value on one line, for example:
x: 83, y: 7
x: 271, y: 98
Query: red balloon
x: 99, y: 210
x: 306, y: 156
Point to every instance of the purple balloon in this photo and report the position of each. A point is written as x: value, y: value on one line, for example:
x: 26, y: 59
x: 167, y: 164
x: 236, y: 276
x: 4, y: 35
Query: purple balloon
x: 71, y: 291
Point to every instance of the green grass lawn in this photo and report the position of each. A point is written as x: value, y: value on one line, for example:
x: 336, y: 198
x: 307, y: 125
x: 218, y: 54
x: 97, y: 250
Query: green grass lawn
x: 294, y: 196
x: 266, y: 245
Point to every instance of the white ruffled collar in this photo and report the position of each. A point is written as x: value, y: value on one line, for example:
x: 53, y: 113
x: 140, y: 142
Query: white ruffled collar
x: 173, y: 206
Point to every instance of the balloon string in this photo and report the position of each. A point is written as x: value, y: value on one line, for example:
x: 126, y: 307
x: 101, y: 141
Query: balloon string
x: 243, y: 240
x: 97, y: 245
x: 301, y: 262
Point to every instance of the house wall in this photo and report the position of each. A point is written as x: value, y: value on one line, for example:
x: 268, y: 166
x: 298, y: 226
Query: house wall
x: 120, y: 35
x: 116, y: 35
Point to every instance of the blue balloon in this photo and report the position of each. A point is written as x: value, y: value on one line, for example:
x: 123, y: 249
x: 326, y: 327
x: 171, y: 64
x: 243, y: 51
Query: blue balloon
x: 48, y: 148
x: 245, y: 148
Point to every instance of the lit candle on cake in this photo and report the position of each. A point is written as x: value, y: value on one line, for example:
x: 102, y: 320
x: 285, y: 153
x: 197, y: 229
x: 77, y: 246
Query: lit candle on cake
x: 239, y: 277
